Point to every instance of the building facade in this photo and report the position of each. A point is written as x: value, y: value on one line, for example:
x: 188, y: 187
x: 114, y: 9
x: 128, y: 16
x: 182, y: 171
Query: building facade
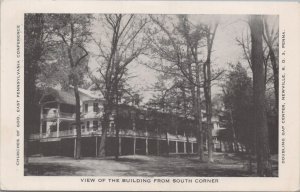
x: 141, y: 131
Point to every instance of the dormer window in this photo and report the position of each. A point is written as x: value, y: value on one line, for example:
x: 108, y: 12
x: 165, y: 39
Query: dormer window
x: 95, y: 107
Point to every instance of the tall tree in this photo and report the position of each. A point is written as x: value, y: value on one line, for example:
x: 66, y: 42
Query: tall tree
x: 270, y: 48
x: 210, y: 36
x: 264, y: 167
x: 238, y: 102
x: 71, y: 34
x: 34, y: 50
x: 175, y: 45
x: 123, y: 43
x: 181, y: 44
x: 270, y: 36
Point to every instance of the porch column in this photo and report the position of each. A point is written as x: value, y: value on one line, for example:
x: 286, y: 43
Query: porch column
x: 134, y: 145
x: 75, y: 147
x: 57, y: 127
x: 96, y: 146
x: 184, y: 144
x: 157, y: 140
x: 221, y: 146
x: 168, y: 138
x: 58, y: 120
x: 146, y: 139
x: 134, y: 131
x: 147, y: 152
x: 120, y: 146
x: 176, y: 146
x: 157, y: 146
x: 85, y: 127
x: 41, y: 122
x: 41, y: 128
x: 192, y: 147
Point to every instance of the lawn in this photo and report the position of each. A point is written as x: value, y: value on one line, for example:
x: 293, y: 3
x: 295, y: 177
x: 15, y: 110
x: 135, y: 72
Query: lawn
x: 225, y: 165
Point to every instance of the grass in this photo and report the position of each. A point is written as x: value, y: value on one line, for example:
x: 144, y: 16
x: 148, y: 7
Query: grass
x: 224, y: 165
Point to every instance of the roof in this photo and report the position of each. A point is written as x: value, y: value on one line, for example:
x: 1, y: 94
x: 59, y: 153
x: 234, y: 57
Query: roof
x: 89, y: 93
x: 66, y: 96
x: 86, y: 95
x: 60, y: 96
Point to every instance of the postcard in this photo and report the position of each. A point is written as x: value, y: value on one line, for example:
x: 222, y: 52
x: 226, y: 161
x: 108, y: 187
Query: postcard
x: 150, y: 95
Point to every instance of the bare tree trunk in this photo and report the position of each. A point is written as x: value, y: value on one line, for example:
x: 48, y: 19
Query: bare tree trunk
x: 33, y: 37
x: 207, y: 89
x: 264, y: 167
x: 207, y: 94
x: 117, y: 127
x: 29, y: 104
x: 78, y: 124
x: 276, y: 78
x: 270, y: 40
x: 198, y: 115
x: 74, y: 81
x: 117, y: 139
x: 101, y: 152
x: 28, y: 120
x: 209, y: 131
x: 196, y: 100
x: 233, y: 131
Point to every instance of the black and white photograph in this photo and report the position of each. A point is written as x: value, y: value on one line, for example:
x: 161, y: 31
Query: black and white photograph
x: 151, y: 95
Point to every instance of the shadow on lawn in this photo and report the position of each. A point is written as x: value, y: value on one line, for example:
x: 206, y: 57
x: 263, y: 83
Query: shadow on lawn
x: 175, y: 167
x: 130, y: 160
x: 219, y: 172
x: 190, y: 171
x: 225, y: 165
x: 49, y: 169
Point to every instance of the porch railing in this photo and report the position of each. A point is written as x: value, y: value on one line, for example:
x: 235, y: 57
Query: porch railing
x: 61, y: 114
x: 122, y: 133
x: 67, y: 115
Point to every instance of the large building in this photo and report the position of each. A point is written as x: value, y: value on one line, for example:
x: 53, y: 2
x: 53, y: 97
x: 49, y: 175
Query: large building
x: 142, y: 131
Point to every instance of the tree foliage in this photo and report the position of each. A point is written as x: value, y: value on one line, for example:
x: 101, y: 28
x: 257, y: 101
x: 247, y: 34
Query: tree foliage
x: 238, y: 103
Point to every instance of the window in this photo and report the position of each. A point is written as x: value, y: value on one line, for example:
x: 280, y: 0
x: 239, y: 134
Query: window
x: 95, y: 125
x: 95, y: 108
x: 86, y: 107
x: 87, y: 124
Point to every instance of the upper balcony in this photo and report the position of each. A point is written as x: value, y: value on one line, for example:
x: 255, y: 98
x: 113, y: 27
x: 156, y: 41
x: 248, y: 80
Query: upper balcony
x: 58, y: 115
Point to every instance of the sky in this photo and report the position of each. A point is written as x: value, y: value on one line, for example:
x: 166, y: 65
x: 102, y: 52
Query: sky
x: 225, y: 51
